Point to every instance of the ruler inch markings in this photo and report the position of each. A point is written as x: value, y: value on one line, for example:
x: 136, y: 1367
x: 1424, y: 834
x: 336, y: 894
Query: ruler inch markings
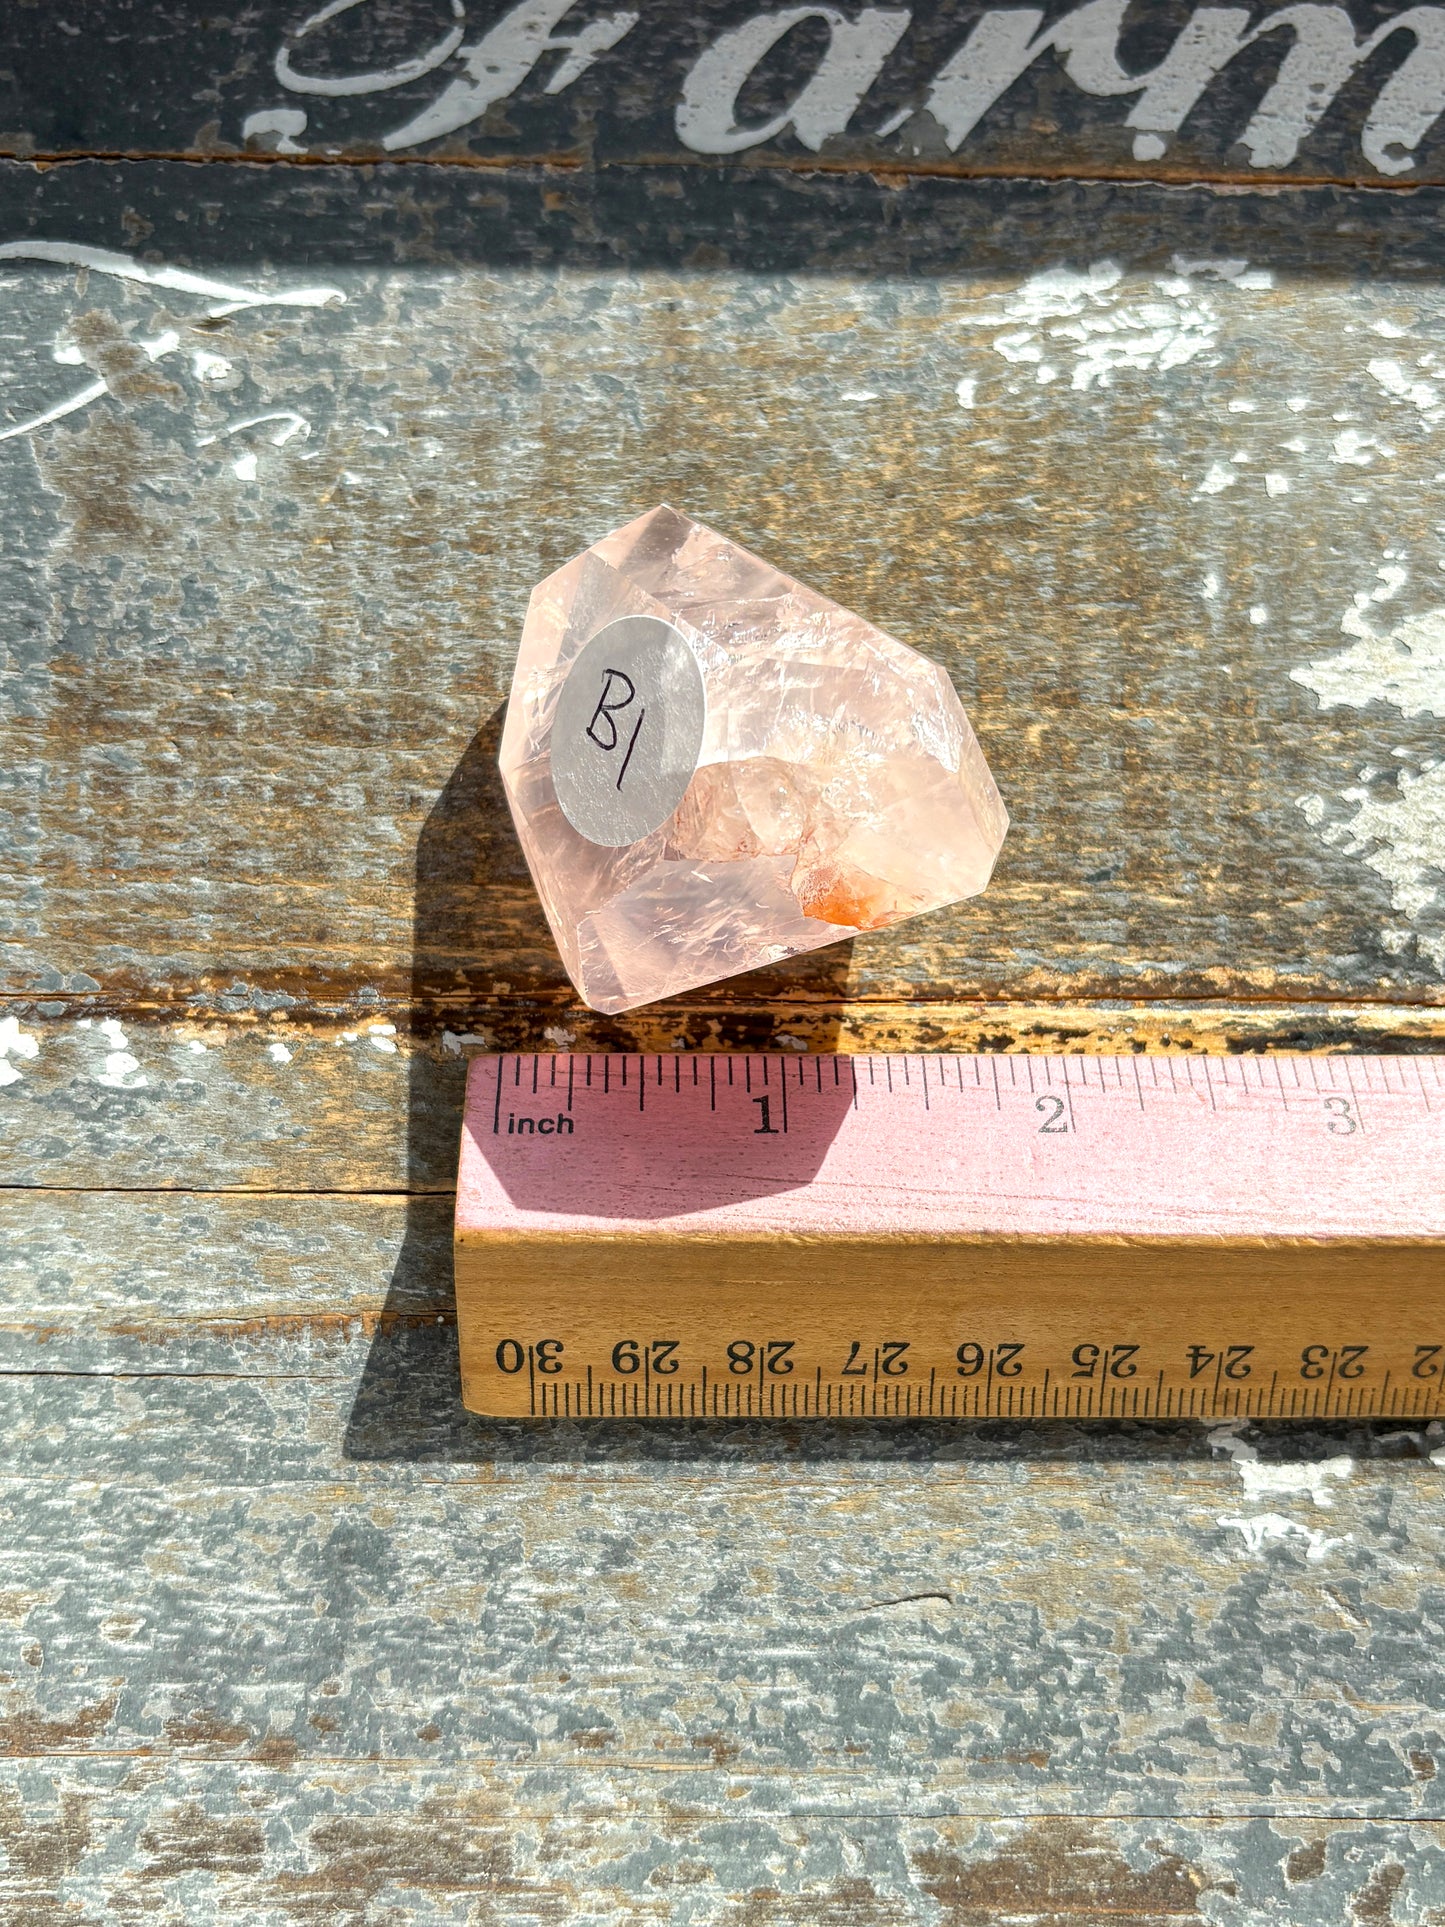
x: 1289, y: 1221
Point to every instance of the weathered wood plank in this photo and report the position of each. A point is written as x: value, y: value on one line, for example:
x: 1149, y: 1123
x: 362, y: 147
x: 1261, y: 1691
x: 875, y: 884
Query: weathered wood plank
x: 1108, y: 562
x: 723, y: 1630
x: 439, y: 1846
x: 1167, y: 90
x: 849, y: 1640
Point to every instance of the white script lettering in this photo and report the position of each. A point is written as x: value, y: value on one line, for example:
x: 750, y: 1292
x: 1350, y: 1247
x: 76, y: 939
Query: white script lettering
x: 373, y: 83
x: 857, y: 49
x: 1324, y: 52
x: 1006, y: 42
x: 498, y: 63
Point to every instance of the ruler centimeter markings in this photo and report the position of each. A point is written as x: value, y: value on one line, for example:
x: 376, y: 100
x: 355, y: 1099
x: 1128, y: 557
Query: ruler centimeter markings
x: 993, y: 1236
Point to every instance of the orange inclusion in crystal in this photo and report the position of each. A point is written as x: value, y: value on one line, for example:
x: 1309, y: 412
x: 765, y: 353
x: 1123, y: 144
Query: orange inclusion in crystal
x: 846, y: 900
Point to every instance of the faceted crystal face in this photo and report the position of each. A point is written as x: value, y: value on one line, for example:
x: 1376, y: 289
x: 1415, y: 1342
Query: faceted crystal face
x: 712, y: 767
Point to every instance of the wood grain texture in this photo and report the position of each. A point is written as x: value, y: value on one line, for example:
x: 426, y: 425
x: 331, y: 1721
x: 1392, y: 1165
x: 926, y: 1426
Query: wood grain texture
x: 291, y: 1846
x: 1126, y: 607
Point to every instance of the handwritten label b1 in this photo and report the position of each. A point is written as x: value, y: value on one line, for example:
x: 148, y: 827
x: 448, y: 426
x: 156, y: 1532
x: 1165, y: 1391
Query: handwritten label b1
x: 628, y: 730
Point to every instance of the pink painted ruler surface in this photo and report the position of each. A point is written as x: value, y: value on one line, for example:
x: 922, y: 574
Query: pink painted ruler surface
x: 1039, y: 1147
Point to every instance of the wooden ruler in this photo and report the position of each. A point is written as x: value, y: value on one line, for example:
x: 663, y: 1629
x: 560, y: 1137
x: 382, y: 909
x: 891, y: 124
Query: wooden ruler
x: 995, y: 1236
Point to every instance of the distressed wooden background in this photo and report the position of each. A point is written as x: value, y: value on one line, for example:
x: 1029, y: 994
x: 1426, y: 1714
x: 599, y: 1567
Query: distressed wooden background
x: 1156, y: 471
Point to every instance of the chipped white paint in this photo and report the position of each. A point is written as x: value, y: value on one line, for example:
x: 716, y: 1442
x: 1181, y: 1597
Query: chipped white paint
x: 14, y: 1042
x: 1402, y: 838
x: 454, y: 1042
x: 1312, y: 1476
x: 1407, y: 1435
x: 154, y: 348
x: 382, y: 1037
x: 1353, y: 450
x: 1420, y: 386
x: 284, y: 122
x: 208, y: 367
x: 278, y: 1053
x: 1228, y: 1438
x: 1398, y: 830
x: 105, y: 261
x: 1063, y: 311
x: 121, y: 1071
x: 1297, y: 1478
x: 1275, y: 483
x: 244, y: 466
x: 288, y: 424
x: 226, y: 297
x: 967, y: 392
x: 1259, y: 615
x: 1219, y: 478
x: 1406, y: 667
x: 70, y: 406
x: 1404, y: 385
x: 1271, y: 1527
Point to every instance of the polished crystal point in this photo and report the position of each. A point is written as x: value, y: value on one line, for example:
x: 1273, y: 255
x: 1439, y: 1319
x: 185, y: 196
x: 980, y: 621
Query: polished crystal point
x: 712, y: 767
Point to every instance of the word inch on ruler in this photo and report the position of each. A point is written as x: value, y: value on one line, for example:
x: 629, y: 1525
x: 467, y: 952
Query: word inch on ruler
x: 1031, y: 1237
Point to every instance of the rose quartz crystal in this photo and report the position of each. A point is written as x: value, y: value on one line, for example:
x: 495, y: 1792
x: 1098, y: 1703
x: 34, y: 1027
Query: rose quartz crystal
x: 837, y: 785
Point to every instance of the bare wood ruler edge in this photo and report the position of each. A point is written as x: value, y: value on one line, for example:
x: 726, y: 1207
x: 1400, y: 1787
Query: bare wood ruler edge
x: 790, y: 1236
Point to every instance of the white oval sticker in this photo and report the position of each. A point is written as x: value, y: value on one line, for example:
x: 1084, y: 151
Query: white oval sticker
x: 628, y: 730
